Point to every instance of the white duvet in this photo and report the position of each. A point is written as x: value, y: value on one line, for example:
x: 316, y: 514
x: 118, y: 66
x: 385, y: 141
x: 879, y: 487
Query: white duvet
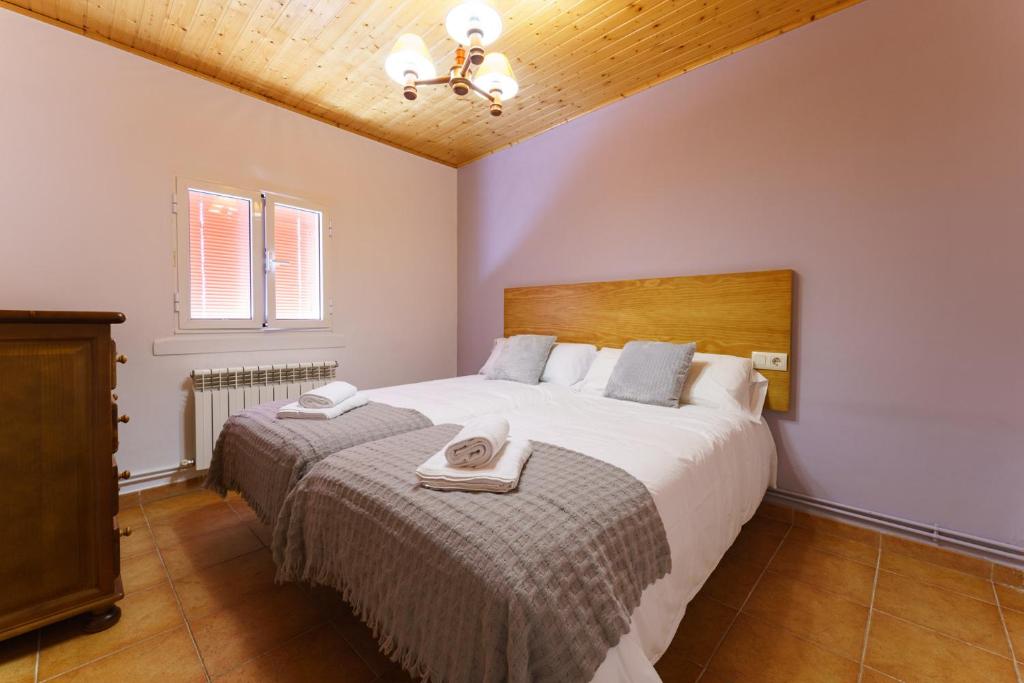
x: 460, y: 398
x: 706, y: 469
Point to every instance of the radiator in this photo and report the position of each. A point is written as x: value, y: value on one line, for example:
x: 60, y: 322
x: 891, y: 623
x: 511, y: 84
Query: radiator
x: 222, y: 392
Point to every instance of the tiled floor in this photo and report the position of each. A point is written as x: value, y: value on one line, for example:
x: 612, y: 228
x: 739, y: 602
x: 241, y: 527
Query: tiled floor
x: 797, y: 598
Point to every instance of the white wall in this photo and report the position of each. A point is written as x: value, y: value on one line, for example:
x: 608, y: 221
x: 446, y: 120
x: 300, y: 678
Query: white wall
x: 91, y: 139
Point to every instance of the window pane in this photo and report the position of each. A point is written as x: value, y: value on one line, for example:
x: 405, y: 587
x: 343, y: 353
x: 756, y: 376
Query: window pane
x: 297, y: 276
x: 219, y: 256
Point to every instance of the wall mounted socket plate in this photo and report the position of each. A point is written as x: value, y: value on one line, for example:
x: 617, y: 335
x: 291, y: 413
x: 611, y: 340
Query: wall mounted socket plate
x: 765, y: 360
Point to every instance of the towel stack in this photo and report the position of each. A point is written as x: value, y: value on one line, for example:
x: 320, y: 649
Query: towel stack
x: 324, y: 403
x: 480, y: 458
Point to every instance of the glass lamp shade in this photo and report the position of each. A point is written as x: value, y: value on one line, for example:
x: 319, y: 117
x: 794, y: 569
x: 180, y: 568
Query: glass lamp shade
x: 496, y: 74
x: 473, y: 14
x: 409, y: 54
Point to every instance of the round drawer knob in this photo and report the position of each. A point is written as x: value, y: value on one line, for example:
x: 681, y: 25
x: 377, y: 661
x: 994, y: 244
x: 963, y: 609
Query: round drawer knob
x: 127, y: 474
x: 126, y: 531
x: 123, y: 418
x: 121, y: 358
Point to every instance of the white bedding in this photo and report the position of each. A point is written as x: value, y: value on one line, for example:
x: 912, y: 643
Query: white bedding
x: 707, y: 471
x: 459, y: 398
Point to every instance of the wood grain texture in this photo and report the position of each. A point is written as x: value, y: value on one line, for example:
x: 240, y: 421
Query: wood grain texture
x: 325, y: 59
x: 732, y: 313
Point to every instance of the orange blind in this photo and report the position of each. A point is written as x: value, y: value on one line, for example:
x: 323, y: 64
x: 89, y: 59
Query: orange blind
x: 220, y: 261
x: 297, y: 246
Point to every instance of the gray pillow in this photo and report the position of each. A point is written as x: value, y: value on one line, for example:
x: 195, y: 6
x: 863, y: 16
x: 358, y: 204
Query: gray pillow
x: 651, y: 372
x: 522, y: 359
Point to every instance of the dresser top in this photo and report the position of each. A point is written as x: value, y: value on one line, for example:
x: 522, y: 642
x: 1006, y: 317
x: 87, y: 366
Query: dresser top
x: 62, y: 317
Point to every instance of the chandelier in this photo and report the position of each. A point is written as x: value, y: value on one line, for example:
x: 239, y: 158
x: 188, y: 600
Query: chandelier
x: 473, y: 25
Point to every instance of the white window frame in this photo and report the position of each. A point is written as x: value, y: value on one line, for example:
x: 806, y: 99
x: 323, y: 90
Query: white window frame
x: 261, y: 240
x: 183, y: 300
x: 270, y: 199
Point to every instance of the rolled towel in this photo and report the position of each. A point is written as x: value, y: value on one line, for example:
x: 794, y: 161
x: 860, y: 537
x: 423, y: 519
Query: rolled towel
x: 477, y: 442
x: 327, y: 396
x: 296, y: 411
x: 500, y: 476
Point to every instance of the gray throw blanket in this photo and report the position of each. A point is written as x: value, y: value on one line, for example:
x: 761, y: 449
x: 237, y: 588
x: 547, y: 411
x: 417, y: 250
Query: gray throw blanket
x: 263, y: 457
x: 533, y: 585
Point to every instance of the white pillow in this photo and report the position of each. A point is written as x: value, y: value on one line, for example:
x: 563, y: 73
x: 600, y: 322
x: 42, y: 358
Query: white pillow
x: 600, y: 371
x: 568, y: 363
x: 499, y: 344
x: 725, y: 382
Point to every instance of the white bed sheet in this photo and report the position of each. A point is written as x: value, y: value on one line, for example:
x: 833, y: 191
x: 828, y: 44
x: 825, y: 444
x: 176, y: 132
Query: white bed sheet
x: 460, y: 398
x: 707, y: 471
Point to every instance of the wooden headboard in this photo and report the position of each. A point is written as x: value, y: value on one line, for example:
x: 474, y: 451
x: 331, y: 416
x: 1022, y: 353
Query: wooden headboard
x: 732, y: 313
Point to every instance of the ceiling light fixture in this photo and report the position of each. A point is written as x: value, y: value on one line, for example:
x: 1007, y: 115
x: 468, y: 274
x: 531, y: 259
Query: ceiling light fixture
x: 473, y: 25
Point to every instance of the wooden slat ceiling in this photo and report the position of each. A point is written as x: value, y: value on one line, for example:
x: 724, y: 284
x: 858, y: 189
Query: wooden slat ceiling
x: 325, y: 57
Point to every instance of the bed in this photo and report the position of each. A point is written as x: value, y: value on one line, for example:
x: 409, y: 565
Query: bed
x: 705, y: 470
x: 263, y: 458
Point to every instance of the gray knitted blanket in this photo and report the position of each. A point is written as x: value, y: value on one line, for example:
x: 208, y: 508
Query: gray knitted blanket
x: 263, y: 457
x: 533, y: 585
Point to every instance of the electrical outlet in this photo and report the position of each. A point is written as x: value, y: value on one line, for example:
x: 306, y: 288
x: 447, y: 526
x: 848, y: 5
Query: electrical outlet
x: 765, y: 360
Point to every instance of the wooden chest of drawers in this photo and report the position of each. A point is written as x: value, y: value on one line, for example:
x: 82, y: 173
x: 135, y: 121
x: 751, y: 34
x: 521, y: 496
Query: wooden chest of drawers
x: 59, y: 538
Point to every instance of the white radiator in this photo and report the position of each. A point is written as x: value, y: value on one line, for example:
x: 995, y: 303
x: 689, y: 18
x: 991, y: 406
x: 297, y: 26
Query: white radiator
x: 221, y: 392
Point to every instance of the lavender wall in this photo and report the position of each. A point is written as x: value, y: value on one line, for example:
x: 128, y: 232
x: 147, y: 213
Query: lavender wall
x: 880, y: 154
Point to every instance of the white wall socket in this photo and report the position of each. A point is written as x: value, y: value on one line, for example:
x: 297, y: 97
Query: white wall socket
x: 765, y: 360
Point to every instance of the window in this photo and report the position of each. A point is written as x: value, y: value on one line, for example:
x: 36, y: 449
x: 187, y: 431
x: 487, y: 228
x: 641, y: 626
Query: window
x: 248, y: 259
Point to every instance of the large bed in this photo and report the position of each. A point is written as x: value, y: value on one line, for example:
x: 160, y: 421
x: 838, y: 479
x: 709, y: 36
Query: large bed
x: 705, y: 469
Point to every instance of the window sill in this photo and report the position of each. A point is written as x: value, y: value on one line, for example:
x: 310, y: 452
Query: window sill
x: 187, y: 343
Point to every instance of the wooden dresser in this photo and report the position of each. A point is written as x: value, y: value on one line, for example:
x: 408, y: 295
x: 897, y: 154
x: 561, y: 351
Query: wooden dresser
x: 59, y: 539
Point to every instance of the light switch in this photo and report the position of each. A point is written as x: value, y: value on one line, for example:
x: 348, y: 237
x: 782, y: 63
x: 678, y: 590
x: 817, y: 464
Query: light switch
x: 765, y: 360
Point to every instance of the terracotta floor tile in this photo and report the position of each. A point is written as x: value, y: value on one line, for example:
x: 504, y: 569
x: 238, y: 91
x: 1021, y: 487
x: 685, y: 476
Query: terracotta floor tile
x: 141, y: 541
x: 262, y: 532
x: 18, y: 658
x: 177, y: 528
x: 837, y: 545
x: 872, y: 676
x: 205, y: 550
x: 167, y: 658
x: 940, y: 556
x: 755, y: 545
x: 143, y: 614
x: 731, y: 581
x: 1011, y: 576
x: 910, y: 652
x: 950, y: 613
x: 703, y: 626
x: 775, y: 512
x: 834, y: 527
x: 1015, y: 627
x: 176, y: 505
x: 241, y: 508
x: 128, y: 501
x: 171, y: 490
x: 835, y: 623
x: 229, y: 637
x: 319, y: 655
x: 359, y: 637
x: 1010, y: 598
x: 800, y: 560
x: 937, y: 575
x: 677, y: 671
x: 755, y: 650
x: 223, y: 585
x: 142, y: 571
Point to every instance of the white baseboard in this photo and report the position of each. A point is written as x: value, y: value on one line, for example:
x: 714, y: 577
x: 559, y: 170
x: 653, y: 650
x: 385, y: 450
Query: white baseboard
x: 160, y: 477
x: 996, y: 551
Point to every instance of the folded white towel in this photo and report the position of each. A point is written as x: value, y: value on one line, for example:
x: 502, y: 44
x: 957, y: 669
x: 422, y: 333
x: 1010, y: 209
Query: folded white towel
x: 499, y: 476
x: 294, y: 410
x: 327, y: 396
x: 476, y: 444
